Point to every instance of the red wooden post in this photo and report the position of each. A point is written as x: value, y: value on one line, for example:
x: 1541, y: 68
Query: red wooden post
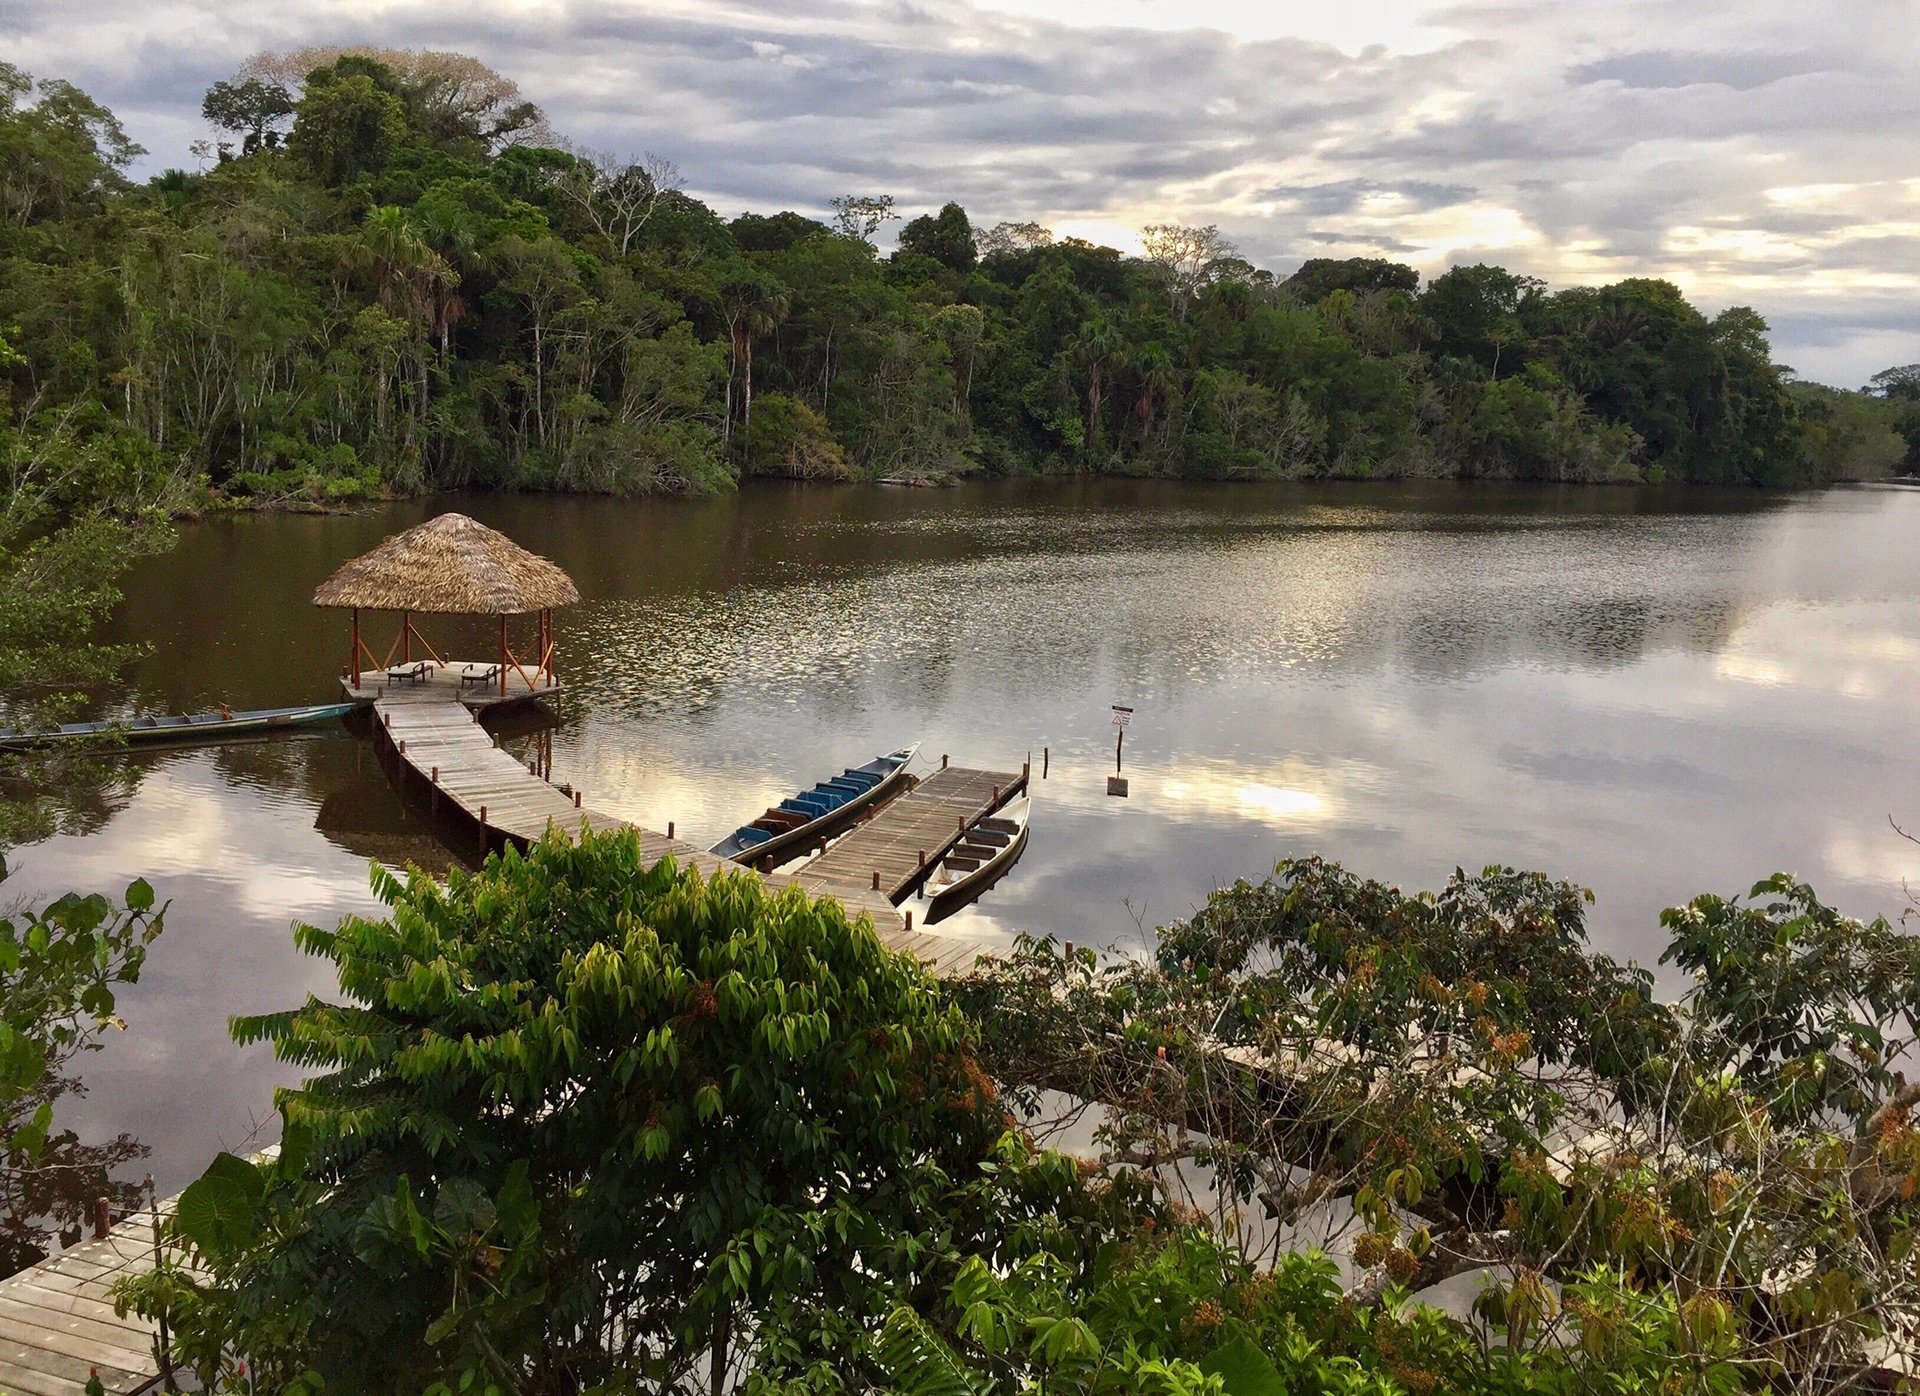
x: 503, y: 656
x: 406, y: 638
x: 356, y: 647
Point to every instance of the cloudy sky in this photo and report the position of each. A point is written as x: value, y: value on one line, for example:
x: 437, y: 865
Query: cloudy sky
x: 1764, y: 152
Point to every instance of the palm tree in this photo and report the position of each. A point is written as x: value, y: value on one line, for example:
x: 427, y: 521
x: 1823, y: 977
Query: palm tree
x: 1157, y: 385
x: 1097, y: 345
x: 452, y: 238
x: 752, y: 306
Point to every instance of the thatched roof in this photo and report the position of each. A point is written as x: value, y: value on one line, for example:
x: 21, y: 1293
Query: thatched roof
x: 451, y: 564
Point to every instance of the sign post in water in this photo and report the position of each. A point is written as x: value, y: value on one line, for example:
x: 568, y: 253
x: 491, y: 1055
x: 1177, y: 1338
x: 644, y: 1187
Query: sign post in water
x: 1116, y: 783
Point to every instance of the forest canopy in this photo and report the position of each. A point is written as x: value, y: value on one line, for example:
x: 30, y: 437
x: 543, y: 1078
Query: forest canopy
x: 394, y: 276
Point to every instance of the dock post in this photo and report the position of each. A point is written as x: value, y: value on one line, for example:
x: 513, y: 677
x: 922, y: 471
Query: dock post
x: 102, y: 1217
x: 576, y: 799
x: 996, y: 792
x: 403, y: 746
x: 876, y: 882
x: 483, y: 831
x: 1045, y: 752
x: 436, y: 775
x: 909, y: 920
x: 922, y: 863
x: 943, y: 761
x: 669, y: 828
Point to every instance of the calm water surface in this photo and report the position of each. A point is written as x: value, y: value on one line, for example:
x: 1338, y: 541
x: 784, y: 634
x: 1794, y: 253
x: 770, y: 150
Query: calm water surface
x: 1651, y: 693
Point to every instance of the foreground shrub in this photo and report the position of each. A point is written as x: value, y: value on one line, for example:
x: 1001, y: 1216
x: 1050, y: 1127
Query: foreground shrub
x: 1717, y: 1191
x: 576, y: 1117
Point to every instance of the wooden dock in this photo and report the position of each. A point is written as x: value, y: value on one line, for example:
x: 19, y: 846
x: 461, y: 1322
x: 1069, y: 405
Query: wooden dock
x: 893, y: 852
x: 431, y: 735
x: 57, y: 1324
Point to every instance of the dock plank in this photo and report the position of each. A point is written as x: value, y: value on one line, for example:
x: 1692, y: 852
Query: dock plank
x: 904, y: 841
x: 57, y: 1321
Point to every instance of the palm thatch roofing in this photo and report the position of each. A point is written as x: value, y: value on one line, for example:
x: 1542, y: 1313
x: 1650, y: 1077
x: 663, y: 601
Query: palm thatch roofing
x: 452, y: 565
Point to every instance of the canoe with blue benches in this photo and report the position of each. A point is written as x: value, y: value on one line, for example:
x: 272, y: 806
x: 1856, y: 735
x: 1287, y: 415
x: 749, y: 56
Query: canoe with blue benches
x: 798, y: 823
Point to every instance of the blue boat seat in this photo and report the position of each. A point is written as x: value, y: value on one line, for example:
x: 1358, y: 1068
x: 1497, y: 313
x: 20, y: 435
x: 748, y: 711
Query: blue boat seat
x: 751, y: 836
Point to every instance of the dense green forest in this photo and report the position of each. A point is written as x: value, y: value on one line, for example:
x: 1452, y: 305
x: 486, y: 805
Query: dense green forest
x: 394, y: 277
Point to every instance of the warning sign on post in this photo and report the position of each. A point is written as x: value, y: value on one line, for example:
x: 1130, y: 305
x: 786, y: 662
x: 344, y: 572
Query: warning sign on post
x: 1121, y: 716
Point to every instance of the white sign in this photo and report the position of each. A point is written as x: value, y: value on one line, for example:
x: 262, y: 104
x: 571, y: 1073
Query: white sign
x: 1121, y: 716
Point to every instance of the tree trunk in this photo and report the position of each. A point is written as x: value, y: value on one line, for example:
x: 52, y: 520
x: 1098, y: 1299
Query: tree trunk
x: 746, y: 393
x: 719, y: 1355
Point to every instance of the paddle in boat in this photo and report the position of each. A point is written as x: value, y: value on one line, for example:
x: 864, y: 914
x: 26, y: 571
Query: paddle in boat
x: 796, y: 824
x: 194, y: 727
x: 989, y: 847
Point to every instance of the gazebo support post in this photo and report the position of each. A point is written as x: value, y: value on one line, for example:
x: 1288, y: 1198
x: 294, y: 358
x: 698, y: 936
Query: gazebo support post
x: 406, y: 637
x: 356, y: 647
x: 505, y: 657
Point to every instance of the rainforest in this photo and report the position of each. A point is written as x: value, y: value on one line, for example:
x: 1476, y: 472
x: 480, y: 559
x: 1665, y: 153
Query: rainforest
x: 392, y: 276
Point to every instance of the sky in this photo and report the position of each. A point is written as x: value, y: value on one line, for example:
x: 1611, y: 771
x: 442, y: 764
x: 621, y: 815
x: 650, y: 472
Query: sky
x: 1757, y: 152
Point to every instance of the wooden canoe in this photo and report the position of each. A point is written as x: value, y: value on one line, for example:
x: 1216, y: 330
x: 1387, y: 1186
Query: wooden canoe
x: 797, y: 823
x: 991, y: 845
x: 195, y: 727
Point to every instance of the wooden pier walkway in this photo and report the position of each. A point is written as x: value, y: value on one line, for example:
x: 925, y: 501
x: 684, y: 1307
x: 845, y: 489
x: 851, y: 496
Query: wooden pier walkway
x: 437, y: 747
x: 891, y: 854
x: 57, y: 1324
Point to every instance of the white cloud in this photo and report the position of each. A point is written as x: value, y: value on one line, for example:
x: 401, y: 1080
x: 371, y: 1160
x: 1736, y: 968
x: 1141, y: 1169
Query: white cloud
x: 1756, y: 152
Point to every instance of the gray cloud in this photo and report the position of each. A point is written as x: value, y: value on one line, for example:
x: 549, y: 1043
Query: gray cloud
x: 1741, y: 150
x: 1660, y: 68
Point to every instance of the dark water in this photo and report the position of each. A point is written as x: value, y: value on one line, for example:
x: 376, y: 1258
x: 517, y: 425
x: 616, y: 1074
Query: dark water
x: 1651, y: 693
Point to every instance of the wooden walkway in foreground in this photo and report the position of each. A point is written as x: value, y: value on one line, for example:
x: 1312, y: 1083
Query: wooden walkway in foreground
x: 57, y: 1323
x: 443, y: 754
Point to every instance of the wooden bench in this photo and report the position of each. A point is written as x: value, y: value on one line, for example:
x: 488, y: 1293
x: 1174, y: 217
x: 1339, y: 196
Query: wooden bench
x: 417, y: 673
x: 479, y: 673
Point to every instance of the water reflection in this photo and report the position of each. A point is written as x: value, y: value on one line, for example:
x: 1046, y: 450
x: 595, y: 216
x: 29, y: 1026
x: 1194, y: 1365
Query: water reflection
x: 1651, y: 693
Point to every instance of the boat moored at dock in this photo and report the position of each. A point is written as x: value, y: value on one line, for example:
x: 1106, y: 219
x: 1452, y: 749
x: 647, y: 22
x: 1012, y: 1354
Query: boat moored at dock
x: 991, y: 845
x: 796, y: 824
x: 192, y: 727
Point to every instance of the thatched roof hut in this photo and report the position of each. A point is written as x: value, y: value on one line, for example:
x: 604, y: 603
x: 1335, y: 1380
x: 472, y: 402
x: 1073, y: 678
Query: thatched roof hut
x: 452, y: 565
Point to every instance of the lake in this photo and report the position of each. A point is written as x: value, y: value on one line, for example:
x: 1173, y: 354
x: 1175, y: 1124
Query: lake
x: 1653, y: 693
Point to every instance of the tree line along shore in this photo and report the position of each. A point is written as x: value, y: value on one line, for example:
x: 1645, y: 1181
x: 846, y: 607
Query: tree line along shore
x: 393, y: 276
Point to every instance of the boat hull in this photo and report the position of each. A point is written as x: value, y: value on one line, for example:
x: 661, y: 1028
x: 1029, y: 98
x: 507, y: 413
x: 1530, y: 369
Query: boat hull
x: 790, y: 843
x: 948, y: 896
x: 193, y: 727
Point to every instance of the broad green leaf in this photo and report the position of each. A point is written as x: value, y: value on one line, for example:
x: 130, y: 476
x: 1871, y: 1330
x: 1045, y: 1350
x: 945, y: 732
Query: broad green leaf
x: 1245, y: 1370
